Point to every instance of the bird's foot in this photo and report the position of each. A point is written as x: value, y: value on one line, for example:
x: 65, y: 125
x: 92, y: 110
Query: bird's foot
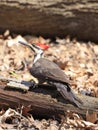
x: 35, y: 85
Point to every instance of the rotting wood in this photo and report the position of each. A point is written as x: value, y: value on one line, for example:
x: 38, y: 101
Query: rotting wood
x: 17, y: 84
x: 45, y: 102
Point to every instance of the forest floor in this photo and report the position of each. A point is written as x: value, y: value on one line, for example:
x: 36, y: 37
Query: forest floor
x: 79, y: 60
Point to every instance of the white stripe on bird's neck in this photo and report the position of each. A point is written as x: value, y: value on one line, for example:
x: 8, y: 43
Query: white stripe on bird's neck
x: 38, y: 55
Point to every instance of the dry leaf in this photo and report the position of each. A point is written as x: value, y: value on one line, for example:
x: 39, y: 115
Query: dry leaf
x: 92, y: 116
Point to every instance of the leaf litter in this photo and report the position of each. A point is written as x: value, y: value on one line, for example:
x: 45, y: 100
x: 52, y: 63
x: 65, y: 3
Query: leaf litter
x: 78, y: 59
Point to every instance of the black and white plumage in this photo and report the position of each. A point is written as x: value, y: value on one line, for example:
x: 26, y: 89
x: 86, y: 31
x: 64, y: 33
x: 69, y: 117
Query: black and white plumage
x: 46, y: 70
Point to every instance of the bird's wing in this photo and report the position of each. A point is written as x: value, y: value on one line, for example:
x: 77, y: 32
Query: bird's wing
x: 56, y: 75
x: 51, y: 71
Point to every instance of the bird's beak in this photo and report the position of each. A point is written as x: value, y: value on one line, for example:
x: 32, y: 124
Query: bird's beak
x: 36, y: 49
x: 28, y: 45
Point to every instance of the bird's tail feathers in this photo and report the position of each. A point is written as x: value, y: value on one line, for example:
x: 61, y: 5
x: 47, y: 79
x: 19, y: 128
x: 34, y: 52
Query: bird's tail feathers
x: 70, y: 95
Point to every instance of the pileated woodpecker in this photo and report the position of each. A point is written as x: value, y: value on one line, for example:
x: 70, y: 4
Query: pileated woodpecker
x: 47, y: 71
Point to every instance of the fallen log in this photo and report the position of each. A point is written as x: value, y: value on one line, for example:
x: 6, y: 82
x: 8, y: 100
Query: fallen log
x: 51, y: 18
x: 45, y: 102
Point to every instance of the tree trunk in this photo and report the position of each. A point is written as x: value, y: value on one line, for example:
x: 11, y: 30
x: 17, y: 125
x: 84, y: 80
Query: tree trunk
x: 77, y: 18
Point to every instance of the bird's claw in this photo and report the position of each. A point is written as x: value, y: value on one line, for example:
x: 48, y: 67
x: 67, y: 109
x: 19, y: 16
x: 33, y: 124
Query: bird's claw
x: 35, y: 85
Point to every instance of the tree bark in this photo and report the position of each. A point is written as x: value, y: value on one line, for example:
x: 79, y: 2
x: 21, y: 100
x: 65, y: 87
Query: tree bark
x: 77, y: 18
x: 45, y: 102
